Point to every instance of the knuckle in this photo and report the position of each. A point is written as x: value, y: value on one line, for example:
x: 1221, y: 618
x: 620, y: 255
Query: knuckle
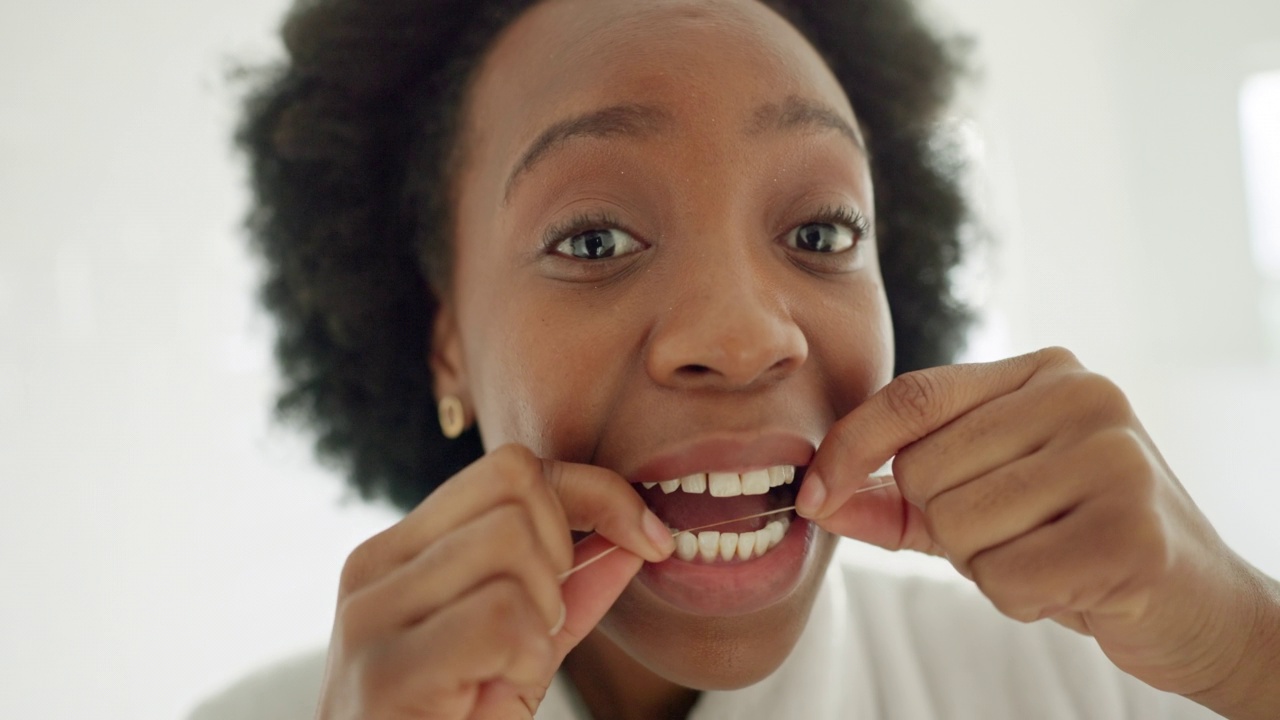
x: 1002, y: 595
x: 1128, y: 464
x: 1105, y: 400
x: 1058, y: 357
x: 914, y: 396
x: 359, y: 567
x: 517, y: 471
x: 515, y: 459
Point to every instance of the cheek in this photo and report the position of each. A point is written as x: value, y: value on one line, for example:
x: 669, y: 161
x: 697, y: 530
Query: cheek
x: 539, y: 376
x: 851, y: 342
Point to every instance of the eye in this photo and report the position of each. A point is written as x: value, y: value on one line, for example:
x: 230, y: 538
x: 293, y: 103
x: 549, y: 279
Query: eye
x: 598, y: 244
x: 822, y: 238
x: 834, y: 230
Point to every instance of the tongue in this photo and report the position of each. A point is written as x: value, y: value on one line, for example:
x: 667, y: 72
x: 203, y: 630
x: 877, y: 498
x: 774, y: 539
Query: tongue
x: 683, y: 511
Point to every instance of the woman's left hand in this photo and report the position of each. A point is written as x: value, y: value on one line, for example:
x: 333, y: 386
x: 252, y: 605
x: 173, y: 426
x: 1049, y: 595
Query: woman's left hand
x: 1034, y: 478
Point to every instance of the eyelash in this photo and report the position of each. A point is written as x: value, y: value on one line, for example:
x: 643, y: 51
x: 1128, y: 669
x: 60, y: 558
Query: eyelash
x: 584, y: 222
x: 577, y: 225
x: 842, y: 215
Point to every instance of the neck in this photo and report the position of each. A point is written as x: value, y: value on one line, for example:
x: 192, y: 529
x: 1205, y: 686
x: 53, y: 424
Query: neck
x: 616, y: 687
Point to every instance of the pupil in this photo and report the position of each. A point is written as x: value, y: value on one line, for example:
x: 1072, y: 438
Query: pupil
x: 598, y: 244
x: 814, y: 237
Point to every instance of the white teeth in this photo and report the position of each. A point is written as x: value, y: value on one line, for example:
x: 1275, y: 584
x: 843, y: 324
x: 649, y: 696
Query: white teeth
x: 775, y: 476
x: 708, y: 544
x: 686, y: 546
x: 762, y: 540
x: 728, y: 545
x: 695, y: 483
x: 755, y: 482
x: 776, y: 531
x: 724, y: 484
x: 781, y: 475
x: 713, y: 546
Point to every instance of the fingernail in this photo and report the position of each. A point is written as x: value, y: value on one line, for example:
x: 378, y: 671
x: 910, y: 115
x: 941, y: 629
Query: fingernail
x: 658, y: 534
x: 564, y: 615
x: 812, y: 493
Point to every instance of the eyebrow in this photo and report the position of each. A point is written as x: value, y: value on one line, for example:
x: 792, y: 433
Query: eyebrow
x: 637, y: 121
x: 614, y: 121
x: 797, y: 113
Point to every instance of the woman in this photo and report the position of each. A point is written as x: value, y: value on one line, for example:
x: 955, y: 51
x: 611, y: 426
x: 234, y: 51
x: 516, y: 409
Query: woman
x: 663, y: 261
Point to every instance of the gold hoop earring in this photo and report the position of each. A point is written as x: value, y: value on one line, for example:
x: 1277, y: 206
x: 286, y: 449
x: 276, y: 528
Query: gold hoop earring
x: 453, y: 419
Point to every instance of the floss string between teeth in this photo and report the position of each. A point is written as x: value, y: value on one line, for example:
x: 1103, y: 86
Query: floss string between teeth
x: 565, y: 575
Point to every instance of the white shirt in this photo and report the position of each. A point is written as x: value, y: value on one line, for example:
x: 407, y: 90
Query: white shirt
x: 877, y: 646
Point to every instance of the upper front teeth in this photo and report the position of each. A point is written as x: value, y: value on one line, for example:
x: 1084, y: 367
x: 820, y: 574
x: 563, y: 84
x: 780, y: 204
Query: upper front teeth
x: 723, y: 484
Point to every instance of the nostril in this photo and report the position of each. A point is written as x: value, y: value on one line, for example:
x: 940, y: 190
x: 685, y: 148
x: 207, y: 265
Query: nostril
x: 698, y: 370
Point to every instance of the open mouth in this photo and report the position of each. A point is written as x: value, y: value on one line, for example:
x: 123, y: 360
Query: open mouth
x: 701, y: 499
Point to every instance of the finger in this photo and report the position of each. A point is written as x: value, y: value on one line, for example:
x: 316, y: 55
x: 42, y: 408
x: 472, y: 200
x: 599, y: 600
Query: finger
x: 589, y: 593
x: 510, y: 474
x: 882, y: 517
x: 501, y: 543
x: 500, y: 700
x: 988, y: 437
x: 907, y: 409
x: 493, y: 634
x: 1051, y: 410
x: 1011, y: 501
x: 1099, y: 547
x: 1070, y: 565
x: 595, y: 499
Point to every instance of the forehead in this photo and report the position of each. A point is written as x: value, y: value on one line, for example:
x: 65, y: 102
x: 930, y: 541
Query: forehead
x: 703, y: 61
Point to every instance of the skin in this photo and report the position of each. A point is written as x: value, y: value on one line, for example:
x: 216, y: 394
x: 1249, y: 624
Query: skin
x: 1032, y: 475
x: 716, y: 325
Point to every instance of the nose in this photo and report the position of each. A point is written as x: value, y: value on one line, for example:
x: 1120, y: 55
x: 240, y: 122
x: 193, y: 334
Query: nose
x: 731, y: 329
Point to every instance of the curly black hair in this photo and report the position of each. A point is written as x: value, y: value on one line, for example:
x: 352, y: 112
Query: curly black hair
x: 350, y: 143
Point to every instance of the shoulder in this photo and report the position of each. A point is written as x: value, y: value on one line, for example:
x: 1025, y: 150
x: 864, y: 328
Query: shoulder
x: 286, y: 690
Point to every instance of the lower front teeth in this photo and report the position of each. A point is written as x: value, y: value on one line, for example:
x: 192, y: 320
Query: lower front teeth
x: 713, y: 546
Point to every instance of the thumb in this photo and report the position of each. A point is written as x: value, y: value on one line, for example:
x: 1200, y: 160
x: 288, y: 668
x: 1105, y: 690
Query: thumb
x: 881, y: 516
x: 589, y: 593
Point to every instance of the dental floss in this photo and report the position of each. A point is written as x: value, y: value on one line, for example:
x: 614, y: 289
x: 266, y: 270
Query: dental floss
x: 565, y: 575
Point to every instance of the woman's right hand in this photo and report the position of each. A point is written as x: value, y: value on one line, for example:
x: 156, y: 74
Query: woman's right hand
x: 448, y: 613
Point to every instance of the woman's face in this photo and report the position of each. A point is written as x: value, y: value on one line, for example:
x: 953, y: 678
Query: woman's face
x: 662, y: 268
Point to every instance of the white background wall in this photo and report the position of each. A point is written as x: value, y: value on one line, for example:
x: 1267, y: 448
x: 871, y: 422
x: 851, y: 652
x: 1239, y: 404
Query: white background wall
x: 159, y: 537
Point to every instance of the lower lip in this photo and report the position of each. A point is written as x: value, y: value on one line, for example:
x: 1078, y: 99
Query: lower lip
x: 736, y: 588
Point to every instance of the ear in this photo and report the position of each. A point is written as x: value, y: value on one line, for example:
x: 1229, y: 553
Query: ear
x: 447, y: 367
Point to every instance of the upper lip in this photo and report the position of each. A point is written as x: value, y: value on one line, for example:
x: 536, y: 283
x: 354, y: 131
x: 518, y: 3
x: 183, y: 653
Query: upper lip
x: 726, y: 452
